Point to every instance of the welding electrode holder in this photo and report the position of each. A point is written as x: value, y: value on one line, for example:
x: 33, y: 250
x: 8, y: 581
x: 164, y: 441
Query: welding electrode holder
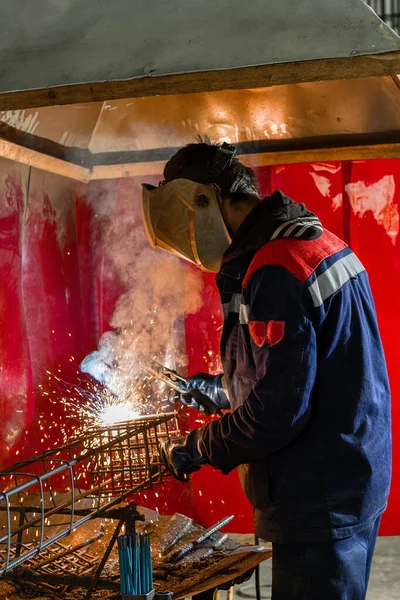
x: 175, y: 381
x: 206, y: 405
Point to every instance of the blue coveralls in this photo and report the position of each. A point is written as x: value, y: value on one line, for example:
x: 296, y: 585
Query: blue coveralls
x: 308, y: 386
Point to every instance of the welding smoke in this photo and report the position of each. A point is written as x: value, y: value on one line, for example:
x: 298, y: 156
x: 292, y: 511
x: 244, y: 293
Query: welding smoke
x: 157, y: 290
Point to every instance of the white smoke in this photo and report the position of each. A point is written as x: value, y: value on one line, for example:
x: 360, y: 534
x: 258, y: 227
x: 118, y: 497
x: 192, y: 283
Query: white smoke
x: 158, y: 290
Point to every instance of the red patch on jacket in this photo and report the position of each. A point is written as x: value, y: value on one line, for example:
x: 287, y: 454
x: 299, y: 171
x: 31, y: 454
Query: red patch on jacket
x: 267, y: 331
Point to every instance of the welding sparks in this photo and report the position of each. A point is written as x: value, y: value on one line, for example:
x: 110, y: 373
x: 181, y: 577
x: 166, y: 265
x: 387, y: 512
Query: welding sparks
x: 91, y: 405
x: 88, y: 404
x: 97, y: 407
x: 116, y: 413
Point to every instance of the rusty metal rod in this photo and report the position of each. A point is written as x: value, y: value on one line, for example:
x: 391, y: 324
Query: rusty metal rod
x: 73, y: 580
x: 96, y: 577
x: 71, y: 549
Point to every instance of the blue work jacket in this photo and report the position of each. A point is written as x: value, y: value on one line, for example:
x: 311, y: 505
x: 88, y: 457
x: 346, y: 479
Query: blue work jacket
x: 307, y: 380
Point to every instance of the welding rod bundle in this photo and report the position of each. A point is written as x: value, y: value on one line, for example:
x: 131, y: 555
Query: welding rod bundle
x: 135, y: 564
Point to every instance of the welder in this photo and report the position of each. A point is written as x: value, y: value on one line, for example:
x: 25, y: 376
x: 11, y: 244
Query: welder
x: 304, y: 371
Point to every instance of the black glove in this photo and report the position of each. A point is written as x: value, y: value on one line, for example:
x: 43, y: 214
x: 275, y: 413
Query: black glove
x: 181, y: 456
x: 209, y: 385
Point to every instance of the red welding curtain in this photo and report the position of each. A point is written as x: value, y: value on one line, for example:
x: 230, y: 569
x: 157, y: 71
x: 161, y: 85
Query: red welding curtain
x: 55, y: 301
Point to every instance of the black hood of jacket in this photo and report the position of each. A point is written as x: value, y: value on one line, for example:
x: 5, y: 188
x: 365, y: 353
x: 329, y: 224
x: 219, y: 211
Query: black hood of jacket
x: 277, y: 216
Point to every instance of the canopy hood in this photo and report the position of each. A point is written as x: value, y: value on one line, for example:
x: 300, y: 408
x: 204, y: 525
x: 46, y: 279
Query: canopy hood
x: 110, y: 88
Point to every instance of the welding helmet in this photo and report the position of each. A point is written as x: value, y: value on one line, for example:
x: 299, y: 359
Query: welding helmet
x: 183, y: 215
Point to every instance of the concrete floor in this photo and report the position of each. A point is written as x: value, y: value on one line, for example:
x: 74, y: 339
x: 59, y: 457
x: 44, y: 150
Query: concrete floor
x: 384, y: 582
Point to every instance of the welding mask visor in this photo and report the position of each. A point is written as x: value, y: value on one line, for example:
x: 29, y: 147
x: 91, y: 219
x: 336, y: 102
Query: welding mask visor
x: 183, y: 217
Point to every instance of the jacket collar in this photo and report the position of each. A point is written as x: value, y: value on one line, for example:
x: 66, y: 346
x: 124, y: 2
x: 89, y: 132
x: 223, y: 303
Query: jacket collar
x: 277, y: 216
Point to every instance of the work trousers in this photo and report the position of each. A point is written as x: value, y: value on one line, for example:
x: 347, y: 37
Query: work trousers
x: 333, y: 570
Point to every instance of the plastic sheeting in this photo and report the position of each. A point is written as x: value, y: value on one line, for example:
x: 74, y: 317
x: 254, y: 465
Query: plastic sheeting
x: 60, y: 42
x: 59, y: 291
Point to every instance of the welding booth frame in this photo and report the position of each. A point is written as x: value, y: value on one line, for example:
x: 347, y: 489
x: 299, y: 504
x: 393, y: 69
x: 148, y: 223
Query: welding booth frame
x: 83, y: 166
x: 56, y: 158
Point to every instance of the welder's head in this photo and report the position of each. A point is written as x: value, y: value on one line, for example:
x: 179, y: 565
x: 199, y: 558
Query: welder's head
x: 205, y: 195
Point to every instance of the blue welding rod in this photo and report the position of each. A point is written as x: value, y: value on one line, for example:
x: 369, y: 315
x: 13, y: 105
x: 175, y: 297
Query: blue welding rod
x: 138, y: 584
x: 122, y: 567
x: 135, y: 580
x: 143, y: 558
x: 150, y: 566
x: 146, y: 566
x: 150, y: 563
x: 130, y: 563
x: 149, y: 569
x: 121, y: 574
x: 136, y: 564
x: 141, y: 570
x: 146, y: 563
x: 125, y: 565
x: 142, y: 567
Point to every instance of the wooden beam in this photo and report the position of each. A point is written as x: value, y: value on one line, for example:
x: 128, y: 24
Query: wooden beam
x: 208, y: 81
x: 128, y: 170
x: 26, y: 156
x: 61, y: 167
x: 263, y: 159
x: 367, y: 152
x: 77, y: 156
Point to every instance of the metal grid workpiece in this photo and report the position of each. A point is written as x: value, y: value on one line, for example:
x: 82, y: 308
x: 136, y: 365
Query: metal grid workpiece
x: 47, y: 497
x: 67, y: 561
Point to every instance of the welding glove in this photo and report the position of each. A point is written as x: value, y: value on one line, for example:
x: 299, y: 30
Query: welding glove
x: 209, y: 385
x: 181, y: 456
